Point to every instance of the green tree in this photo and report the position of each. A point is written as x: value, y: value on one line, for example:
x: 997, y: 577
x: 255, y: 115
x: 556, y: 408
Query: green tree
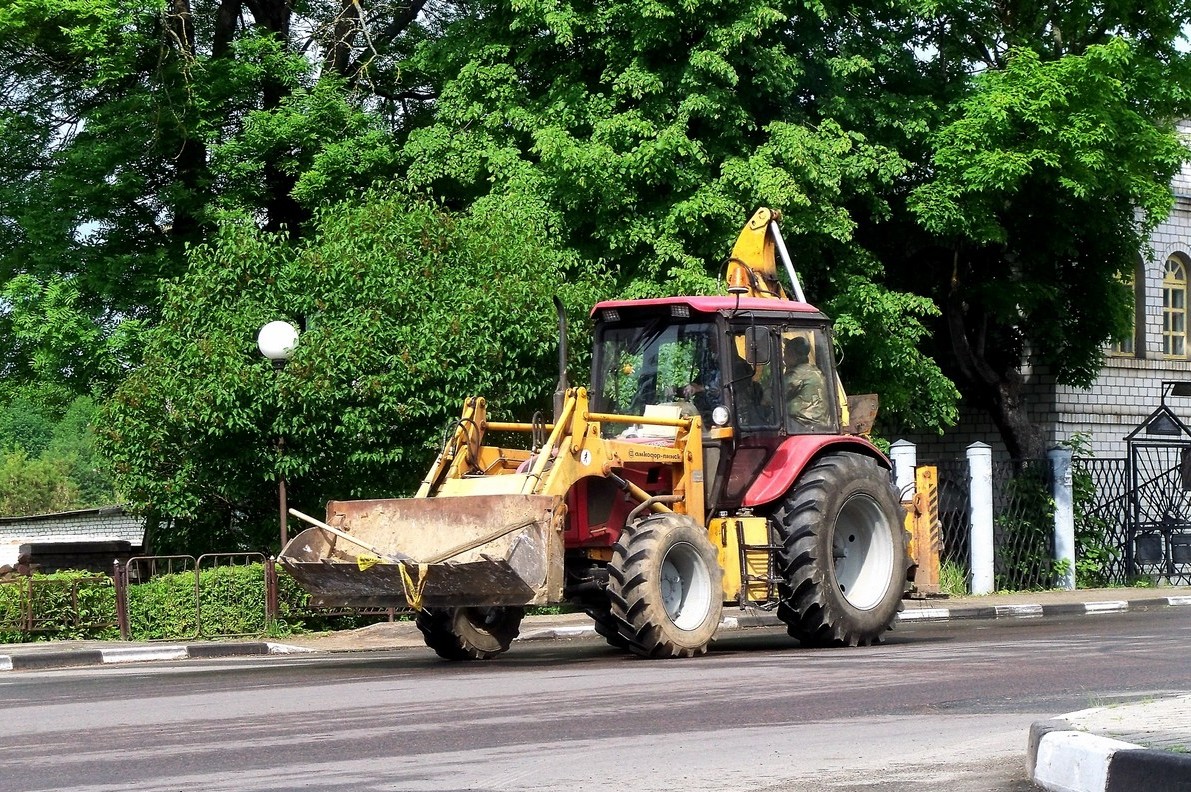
x: 408, y: 310
x: 654, y: 131
x: 1001, y: 164
x: 1042, y: 182
x: 125, y: 123
x: 49, y: 458
x: 35, y: 486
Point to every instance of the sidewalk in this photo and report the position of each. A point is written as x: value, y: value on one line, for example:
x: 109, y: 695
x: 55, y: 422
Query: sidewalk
x: 1125, y: 748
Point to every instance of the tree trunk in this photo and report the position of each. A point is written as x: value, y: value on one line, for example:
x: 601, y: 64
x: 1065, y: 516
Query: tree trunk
x: 995, y: 388
x: 190, y: 162
x: 1023, y: 438
x: 283, y: 212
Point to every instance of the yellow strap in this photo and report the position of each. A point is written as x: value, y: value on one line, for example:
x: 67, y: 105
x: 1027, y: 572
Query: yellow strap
x: 413, y: 592
x: 366, y: 560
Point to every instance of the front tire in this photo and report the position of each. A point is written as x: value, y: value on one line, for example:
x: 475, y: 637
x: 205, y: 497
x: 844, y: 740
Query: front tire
x: 665, y: 587
x: 469, y: 633
x: 843, y: 563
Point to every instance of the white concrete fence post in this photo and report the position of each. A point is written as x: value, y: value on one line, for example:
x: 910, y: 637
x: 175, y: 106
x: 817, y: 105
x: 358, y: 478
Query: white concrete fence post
x: 1061, y: 489
x: 904, y: 456
x: 981, y: 516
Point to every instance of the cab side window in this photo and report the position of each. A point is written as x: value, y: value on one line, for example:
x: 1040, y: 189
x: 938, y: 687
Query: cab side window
x: 806, y: 390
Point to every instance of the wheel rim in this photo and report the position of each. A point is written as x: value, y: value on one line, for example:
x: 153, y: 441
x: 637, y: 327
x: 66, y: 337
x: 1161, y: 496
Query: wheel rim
x: 478, y: 626
x: 686, y: 586
x: 862, y: 547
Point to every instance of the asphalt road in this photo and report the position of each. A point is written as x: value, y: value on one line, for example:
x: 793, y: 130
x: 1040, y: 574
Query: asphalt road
x: 942, y: 707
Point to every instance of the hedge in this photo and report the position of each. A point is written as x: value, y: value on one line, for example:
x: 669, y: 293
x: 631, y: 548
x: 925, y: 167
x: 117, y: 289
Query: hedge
x: 231, y: 601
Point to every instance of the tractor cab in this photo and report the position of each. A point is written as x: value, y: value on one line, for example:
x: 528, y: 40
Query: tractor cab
x: 757, y: 372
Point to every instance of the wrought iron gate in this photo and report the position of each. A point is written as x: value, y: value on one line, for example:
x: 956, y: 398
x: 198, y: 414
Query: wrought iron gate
x: 1159, y: 541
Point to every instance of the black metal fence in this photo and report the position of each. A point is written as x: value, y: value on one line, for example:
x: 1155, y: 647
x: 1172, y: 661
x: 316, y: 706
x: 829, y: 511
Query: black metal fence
x: 1023, y: 525
x: 1101, y: 493
x: 1023, y: 521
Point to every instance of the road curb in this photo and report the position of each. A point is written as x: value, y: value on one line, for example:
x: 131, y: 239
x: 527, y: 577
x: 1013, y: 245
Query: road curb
x: 78, y: 658
x: 1038, y: 610
x: 1063, y: 759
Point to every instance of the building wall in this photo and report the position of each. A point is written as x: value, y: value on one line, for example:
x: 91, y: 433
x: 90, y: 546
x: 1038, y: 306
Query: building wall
x: 75, y: 526
x: 71, y: 533
x: 1129, y: 388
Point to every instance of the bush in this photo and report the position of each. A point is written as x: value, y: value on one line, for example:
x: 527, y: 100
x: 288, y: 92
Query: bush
x: 230, y: 600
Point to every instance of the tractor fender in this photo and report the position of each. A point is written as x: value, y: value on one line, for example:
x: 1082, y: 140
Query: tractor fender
x: 792, y: 457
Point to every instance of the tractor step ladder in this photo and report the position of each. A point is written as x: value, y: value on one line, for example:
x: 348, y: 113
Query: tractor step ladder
x: 747, y: 579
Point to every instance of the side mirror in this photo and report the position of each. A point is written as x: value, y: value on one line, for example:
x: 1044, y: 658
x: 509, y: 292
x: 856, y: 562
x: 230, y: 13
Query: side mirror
x: 756, y: 345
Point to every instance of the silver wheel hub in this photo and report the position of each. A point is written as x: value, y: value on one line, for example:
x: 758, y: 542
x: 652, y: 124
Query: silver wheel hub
x: 685, y: 584
x: 862, y: 553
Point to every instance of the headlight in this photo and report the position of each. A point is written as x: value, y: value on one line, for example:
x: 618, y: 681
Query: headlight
x: 720, y: 416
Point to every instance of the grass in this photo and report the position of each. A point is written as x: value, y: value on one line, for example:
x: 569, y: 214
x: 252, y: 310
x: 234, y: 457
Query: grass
x: 953, y: 580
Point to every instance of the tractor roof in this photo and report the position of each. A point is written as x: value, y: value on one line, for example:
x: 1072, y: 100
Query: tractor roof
x: 724, y: 304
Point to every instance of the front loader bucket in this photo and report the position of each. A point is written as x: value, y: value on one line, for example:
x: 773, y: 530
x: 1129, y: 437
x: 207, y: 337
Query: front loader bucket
x: 475, y: 550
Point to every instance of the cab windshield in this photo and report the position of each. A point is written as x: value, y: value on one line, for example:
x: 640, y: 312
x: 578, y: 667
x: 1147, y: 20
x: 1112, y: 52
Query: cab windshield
x: 659, y: 363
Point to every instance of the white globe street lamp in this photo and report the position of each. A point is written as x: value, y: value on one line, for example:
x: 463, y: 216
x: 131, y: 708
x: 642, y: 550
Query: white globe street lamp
x: 277, y: 341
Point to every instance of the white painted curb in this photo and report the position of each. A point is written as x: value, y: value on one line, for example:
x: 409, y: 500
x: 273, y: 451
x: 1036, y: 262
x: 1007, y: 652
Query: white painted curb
x: 924, y: 614
x: 285, y: 649
x: 1113, y: 606
x: 1072, y: 761
x: 1018, y: 611
x: 5, y: 663
x: 140, y: 654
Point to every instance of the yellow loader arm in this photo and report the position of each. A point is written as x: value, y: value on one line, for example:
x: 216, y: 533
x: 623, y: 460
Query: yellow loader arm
x: 486, y: 526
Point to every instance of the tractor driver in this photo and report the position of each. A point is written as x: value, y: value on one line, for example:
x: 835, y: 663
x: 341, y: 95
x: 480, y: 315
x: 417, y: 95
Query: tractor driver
x: 703, y: 393
x: 806, y: 388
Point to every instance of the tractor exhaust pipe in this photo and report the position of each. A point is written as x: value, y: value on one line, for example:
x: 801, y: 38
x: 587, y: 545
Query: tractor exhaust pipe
x: 560, y: 391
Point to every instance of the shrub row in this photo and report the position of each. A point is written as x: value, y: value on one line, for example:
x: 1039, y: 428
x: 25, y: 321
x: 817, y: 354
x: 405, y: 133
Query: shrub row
x: 230, y: 601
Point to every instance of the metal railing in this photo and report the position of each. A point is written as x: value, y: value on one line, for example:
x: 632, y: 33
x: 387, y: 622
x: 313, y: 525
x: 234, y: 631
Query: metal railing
x: 167, y: 598
x: 1023, y: 525
x: 73, y: 606
x: 1023, y: 522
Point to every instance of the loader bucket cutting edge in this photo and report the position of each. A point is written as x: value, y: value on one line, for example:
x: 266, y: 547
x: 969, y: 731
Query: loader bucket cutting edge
x: 432, y: 552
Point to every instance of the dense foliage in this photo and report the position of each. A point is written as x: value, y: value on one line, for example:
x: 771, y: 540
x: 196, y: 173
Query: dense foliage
x: 963, y: 187
x: 229, y: 600
x: 48, y: 456
x: 406, y: 311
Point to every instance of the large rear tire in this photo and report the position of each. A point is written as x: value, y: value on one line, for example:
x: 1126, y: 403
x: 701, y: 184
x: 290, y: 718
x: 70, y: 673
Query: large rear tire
x: 664, y: 587
x: 469, y: 633
x: 843, y: 563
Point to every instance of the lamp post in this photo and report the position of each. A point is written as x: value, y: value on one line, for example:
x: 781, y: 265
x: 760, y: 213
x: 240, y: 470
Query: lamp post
x: 277, y: 341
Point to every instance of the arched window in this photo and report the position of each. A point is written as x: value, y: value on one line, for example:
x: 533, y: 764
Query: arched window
x: 1174, y: 308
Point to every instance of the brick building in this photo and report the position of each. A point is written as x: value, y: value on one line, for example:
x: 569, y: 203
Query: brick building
x: 86, y: 539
